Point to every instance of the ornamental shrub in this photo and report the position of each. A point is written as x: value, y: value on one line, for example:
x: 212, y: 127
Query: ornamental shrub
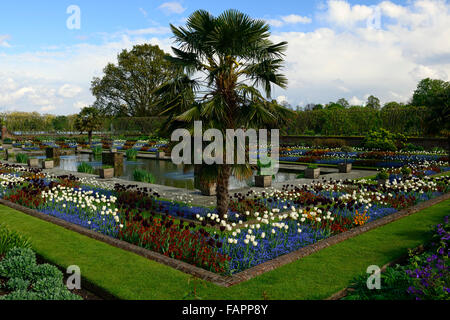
x: 21, y: 158
x: 406, y: 171
x: 143, y: 176
x: 85, y: 168
x: 14, y: 284
x: 383, y: 175
x: 384, y: 140
x: 20, y: 295
x: 47, y: 271
x: 18, y: 263
x: 131, y: 154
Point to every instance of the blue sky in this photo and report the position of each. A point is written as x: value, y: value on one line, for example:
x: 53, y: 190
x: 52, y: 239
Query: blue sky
x: 333, y: 52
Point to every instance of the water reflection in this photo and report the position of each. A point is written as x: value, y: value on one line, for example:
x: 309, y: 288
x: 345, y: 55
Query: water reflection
x: 165, y: 172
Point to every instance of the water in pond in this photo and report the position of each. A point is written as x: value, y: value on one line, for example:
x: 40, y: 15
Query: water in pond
x: 165, y: 172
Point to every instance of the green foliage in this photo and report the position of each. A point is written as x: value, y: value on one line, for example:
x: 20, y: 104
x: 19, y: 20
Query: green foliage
x: 143, y: 176
x: 373, y: 103
x: 7, y: 140
x: 329, y: 143
x: 347, y: 149
x: 89, y: 120
x: 14, y: 284
x: 406, y: 171
x: 20, y: 295
x: 131, y: 154
x: 85, y: 168
x: 358, y: 121
x: 29, y: 281
x: 394, y: 283
x: 413, y: 147
x: 384, y: 140
x: 11, y: 239
x: 18, y: 263
x: 21, y: 158
x: 107, y: 166
x: 383, y: 175
x: 313, y: 166
x: 47, y: 271
x: 127, y: 89
x: 97, y: 150
x: 435, y: 95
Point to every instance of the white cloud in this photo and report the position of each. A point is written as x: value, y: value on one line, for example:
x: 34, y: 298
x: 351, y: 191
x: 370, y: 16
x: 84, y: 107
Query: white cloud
x: 47, y: 108
x: 282, y: 99
x: 69, y: 91
x: 355, y: 101
x: 62, y: 77
x: 387, y: 63
x: 341, y: 13
x: 3, y: 40
x: 172, y: 8
x: 290, y: 19
x: 322, y: 65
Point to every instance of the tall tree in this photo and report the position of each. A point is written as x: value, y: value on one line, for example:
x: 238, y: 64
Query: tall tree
x: 89, y: 120
x: 343, y: 102
x: 373, y: 103
x: 127, y: 89
x: 234, y: 54
x: 435, y: 95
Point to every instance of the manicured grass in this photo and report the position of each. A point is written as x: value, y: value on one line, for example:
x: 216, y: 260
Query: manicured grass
x: 318, y: 276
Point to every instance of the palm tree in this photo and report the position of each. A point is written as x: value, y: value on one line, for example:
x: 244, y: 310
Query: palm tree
x: 231, y: 56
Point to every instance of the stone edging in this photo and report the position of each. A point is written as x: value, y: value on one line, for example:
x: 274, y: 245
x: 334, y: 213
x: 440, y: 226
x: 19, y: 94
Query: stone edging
x: 227, y: 281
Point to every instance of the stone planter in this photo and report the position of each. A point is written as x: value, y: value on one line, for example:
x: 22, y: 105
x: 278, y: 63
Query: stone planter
x: 33, y: 162
x: 113, y: 150
x: 106, y: 173
x: 345, y: 168
x: 53, y: 153
x: 312, y: 173
x: 160, y: 154
x: 48, y: 164
x: 115, y: 160
x: 263, y: 181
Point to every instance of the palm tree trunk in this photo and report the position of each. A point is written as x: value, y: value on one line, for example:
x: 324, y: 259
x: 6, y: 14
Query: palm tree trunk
x: 222, y: 189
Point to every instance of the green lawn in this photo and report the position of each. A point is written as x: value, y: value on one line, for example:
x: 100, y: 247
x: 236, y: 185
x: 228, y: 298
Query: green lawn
x: 129, y: 276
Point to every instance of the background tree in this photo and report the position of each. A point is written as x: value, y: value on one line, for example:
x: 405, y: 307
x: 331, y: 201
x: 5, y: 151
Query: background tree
x: 334, y: 106
x: 60, y: 123
x: 343, y: 102
x: 234, y: 54
x: 89, y: 120
x: 392, y: 105
x: 435, y: 95
x: 373, y: 103
x: 127, y: 89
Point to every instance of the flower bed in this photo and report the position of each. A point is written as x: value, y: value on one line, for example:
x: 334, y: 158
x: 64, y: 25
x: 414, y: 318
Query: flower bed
x: 261, y: 225
x: 376, y: 159
x: 425, y: 276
